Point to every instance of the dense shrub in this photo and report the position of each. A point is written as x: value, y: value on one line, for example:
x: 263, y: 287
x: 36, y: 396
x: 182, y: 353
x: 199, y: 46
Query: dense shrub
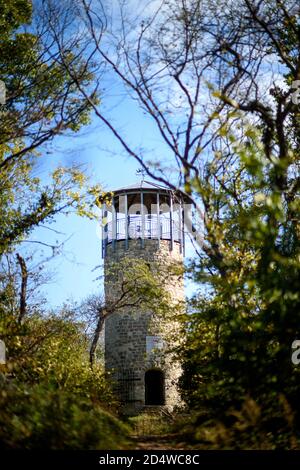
x: 41, y: 417
x: 50, y: 397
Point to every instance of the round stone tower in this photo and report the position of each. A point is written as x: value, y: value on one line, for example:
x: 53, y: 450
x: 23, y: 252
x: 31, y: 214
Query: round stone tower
x: 143, y: 222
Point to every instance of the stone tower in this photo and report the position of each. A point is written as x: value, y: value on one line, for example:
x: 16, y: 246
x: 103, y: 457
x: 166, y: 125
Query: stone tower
x: 143, y: 222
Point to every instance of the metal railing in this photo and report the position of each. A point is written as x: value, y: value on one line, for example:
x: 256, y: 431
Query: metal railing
x: 148, y: 227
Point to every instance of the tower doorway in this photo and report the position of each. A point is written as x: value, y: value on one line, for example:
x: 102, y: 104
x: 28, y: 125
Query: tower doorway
x: 154, y: 387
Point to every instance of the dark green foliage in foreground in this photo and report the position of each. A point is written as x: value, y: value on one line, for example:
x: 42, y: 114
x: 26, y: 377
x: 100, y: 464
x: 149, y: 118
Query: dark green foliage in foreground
x: 267, y: 427
x: 239, y: 374
x: 42, y: 417
x: 238, y: 351
x: 50, y: 397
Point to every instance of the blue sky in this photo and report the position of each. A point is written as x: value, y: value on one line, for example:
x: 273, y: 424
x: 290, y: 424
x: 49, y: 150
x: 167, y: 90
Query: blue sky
x: 73, y: 274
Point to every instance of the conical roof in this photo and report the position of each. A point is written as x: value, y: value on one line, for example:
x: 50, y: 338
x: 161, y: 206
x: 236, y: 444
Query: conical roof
x: 142, y: 184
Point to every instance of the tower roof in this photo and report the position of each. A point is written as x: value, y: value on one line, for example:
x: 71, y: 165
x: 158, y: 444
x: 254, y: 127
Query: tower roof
x: 142, y: 184
x: 149, y: 186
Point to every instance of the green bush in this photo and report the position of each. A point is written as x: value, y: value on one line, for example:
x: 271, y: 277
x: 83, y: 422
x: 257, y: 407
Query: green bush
x: 54, y: 351
x: 40, y: 417
x: 250, y: 426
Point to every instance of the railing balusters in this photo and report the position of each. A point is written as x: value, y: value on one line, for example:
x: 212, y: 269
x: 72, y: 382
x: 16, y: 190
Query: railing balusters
x: 151, y: 225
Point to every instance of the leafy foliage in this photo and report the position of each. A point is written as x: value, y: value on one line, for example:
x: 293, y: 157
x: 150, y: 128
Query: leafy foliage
x: 42, y: 417
x: 25, y: 202
x: 50, y: 397
x: 241, y: 331
x: 41, y: 98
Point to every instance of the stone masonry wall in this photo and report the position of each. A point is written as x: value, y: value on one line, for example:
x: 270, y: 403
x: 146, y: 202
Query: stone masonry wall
x: 126, y: 330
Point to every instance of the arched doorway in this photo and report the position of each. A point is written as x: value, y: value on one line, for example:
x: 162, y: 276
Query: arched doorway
x: 154, y: 387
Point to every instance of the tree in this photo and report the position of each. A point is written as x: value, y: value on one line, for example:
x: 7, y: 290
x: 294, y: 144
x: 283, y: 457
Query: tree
x: 42, y: 100
x: 55, y: 400
x: 25, y: 202
x: 241, y: 332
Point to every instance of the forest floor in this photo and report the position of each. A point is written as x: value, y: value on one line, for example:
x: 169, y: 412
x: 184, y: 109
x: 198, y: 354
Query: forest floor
x: 158, y: 442
x: 154, y: 430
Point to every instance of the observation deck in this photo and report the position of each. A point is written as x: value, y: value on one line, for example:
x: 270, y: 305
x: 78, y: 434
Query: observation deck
x: 143, y: 211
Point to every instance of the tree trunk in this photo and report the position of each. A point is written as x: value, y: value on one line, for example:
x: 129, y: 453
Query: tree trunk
x: 23, y: 292
x: 96, y: 336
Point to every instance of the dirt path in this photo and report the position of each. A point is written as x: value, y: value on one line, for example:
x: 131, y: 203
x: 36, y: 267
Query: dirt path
x: 158, y: 442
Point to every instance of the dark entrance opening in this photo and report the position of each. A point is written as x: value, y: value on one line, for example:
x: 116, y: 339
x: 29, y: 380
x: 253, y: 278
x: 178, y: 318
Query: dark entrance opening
x: 154, y: 387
